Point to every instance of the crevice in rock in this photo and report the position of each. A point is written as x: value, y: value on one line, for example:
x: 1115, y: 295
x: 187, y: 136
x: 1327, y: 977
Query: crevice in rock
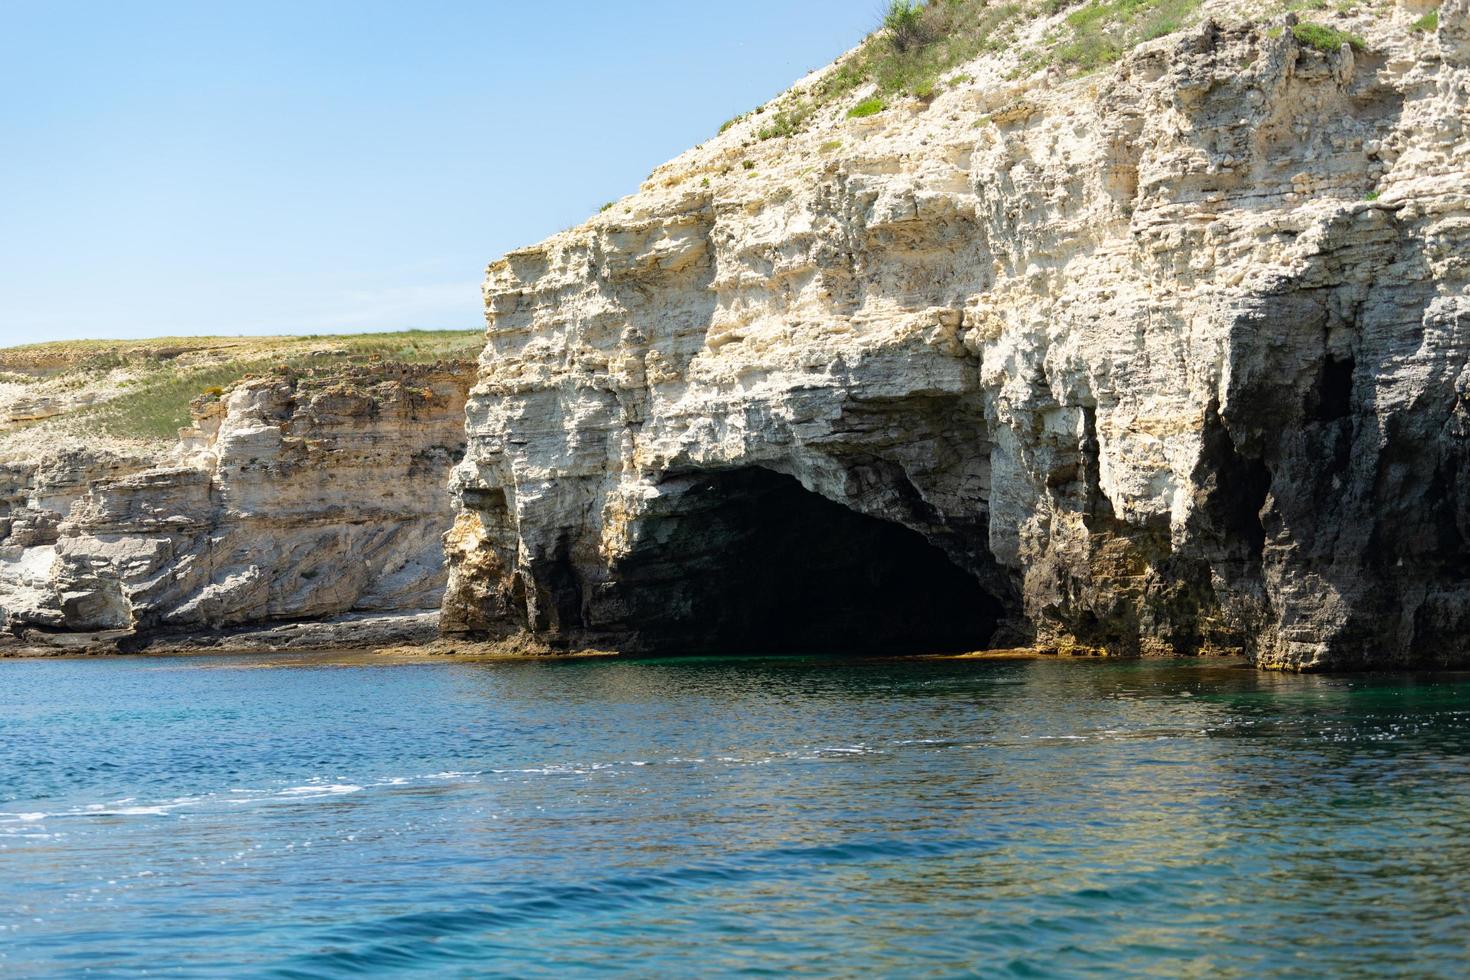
x: 1097, y: 508
x: 750, y: 562
x: 559, y: 590
x: 1233, y: 488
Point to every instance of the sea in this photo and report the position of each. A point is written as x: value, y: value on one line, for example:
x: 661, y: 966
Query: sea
x: 332, y: 815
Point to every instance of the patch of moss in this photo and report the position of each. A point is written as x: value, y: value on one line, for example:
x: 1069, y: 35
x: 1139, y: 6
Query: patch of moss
x: 1326, y: 39
x: 870, y: 106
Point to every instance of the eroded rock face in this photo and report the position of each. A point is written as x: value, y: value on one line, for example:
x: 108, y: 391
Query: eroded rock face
x: 295, y: 497
x: 1174, y: 358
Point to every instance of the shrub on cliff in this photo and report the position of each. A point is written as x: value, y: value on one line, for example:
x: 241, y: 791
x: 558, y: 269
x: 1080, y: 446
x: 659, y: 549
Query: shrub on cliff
x: 788, y: 121
x: 904, y: 23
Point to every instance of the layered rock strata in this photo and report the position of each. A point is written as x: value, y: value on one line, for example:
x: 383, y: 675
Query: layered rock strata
x: 295, y: 496
x: 1173, y: 358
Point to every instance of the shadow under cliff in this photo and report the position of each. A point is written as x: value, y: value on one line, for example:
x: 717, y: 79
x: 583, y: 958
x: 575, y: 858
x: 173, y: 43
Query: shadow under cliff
x: 752, y: 562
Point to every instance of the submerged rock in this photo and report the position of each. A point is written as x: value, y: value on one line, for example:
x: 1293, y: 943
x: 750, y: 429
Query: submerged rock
x: 1169, y: 359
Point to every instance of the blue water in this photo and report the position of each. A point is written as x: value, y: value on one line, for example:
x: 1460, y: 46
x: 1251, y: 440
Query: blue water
x: 283, y: 817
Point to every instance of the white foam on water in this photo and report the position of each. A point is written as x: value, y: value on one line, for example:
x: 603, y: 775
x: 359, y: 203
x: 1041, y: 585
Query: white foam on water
x: 324, y: 788
x: 312, y: 790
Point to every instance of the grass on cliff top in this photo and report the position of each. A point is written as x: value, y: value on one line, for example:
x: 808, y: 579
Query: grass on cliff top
x: 918, y: 46
x: 1103, y: 30
x: 80, y: 356
x: 161, y: 377
x: 918, y: 43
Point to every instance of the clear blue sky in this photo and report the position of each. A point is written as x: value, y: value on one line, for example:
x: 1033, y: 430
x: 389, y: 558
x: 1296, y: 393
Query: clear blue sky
x: 306, y: 165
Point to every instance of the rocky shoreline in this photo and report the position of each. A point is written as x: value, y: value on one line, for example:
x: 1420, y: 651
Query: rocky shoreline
x: 350, y: 632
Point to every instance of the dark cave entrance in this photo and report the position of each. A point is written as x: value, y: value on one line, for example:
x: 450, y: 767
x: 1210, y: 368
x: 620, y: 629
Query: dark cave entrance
x: 751, y: 562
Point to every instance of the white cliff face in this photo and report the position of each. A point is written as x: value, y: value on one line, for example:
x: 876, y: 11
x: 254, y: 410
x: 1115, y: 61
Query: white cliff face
x: 1170, y: 358
x: 297, y: 496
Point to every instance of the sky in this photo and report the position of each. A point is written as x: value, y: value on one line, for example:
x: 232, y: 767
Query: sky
x: 311, y: 166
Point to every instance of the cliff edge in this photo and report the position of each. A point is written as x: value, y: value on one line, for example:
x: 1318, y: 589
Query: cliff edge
x: 310, y: 491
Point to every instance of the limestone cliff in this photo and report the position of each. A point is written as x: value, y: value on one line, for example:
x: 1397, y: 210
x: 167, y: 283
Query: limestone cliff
x: 1172, y: 357
x: 295, y: 495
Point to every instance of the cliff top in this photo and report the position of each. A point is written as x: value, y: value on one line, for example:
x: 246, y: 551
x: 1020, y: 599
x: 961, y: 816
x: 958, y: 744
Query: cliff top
x: 956, y: 71
x: 135, y: 394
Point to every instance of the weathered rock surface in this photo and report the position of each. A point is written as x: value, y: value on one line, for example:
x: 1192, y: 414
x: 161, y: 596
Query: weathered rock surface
x: 297, y: 496
x: 1171, y: 358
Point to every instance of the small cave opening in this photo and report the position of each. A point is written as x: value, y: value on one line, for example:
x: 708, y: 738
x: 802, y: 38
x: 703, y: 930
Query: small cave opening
x: 750, y: 562
x: 1332, y: 398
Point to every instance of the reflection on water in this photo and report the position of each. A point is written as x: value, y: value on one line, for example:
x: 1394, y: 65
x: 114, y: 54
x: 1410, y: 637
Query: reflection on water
x: 202, y: 816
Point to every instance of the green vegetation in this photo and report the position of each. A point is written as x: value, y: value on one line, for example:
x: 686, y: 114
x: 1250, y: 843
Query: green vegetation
x: 1429, y: 23
x: 831, y: 145
x: 606, y: 207
x: 918, y: 43
x: 788, y: 121
x: 1326, y: 39
x: 161, y: 377
x: 1371, y: 196
x: 1103, y: 29
x: 906, y: 24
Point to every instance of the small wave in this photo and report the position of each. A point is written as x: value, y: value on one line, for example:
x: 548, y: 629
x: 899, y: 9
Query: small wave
x: 417, y: 939
x: 129, y: 808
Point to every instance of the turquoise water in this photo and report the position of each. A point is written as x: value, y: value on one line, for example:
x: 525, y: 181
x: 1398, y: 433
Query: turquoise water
x: 215, y: 817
